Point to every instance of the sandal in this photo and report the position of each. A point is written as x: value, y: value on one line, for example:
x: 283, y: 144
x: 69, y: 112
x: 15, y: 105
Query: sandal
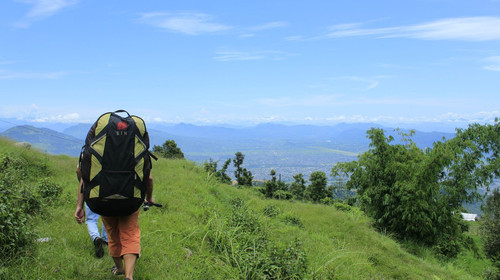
x: 115, y: 271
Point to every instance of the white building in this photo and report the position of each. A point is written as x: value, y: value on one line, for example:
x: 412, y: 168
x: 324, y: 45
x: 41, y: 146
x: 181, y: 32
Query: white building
x: 469, y: 217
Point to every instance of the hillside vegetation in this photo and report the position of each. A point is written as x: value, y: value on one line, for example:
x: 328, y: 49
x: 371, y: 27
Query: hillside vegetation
x: 208, y: 230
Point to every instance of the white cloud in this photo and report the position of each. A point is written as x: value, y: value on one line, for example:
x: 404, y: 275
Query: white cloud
x: 186, y: 23
x: 462, y: 29
x: 67, y: 118
x: 7, y: 75
x: 255, y: 55
x: 42, y: 9
x: 270, y: 25
x: 493, y: 63
x: 447, y: 118
x: 246, y: 35
x: 235, y: 55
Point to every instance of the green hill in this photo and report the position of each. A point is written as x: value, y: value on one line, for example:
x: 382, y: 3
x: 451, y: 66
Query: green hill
x: 207, y: 230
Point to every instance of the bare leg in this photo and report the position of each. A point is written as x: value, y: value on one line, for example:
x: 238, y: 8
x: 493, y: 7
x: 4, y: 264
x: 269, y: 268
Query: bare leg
x: 118, y: 263
x: 130, y: 260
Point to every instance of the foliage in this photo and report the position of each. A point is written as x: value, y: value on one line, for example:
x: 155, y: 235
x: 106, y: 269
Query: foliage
x: 316, y: 190
x: 211, y: 168
x: 333, y: 243
x: 49, y: 191
x: 18, y: 203
x: 282, y: 194
x: 292, y: 220
x: 169, y: 150
x: 298, y: 186
x: 271, y: 210
x: 413, y: 193
x: 245, y: 245
x: 274, y: 185
x: 490, y: 227
x: 342, y: 206
x: 243, y: 176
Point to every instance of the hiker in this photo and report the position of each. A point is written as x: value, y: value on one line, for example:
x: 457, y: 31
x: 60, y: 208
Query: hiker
x: 125, y: 238
x: 91, y: 222
x: 124, y: 235
x: 116, y: 181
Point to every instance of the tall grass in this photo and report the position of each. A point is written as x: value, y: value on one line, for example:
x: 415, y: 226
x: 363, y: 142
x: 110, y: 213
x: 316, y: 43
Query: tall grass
x: 207, y: 230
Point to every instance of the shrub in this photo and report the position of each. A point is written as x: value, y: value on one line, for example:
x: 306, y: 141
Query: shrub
x: 292, y: 220
x: 282, y: 195
x: 49, y: 190
x: 327, y: 201
x: 271, y: 211
x: 490, y: 229
x: 288, y: 263
x: 17, y: 205
x: 242, y: 243
x: 342, y: 206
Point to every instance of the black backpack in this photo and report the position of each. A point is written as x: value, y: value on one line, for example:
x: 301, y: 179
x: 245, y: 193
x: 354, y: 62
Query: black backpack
x: 115, y: 164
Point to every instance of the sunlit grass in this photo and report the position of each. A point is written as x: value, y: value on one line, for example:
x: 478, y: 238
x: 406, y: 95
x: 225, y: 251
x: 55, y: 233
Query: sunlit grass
x: 177, y: 240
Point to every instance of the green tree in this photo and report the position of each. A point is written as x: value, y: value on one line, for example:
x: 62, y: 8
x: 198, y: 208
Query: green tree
x: 317, y: 188
x: 169, y: 150
x: 414, y: 193
x: 211, y: 168
x: 243, y: 176
x: 490, y: 227
x: 274, y: 185
x: 298, y: 186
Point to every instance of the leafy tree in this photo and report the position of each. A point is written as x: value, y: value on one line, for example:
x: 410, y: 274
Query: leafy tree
x: 490, y: 227
x: 317, y: 188
x: 414, y: 193
x: 298, y: 186
x: 273, y: 186
x: 243, y: 176
x: 211, y: 168
x: 169, y: 150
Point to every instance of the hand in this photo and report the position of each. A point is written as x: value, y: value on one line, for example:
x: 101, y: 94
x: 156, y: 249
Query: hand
x: 80, y: 214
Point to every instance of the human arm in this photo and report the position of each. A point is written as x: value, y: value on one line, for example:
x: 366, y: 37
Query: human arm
x: 80, y: 210
x: 149, y: 189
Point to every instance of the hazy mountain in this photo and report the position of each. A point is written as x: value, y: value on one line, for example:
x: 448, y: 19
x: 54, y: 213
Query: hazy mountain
x: 289, y: 149
x: 6, y: 123
x: 45, y: 139
x: 78, y: 131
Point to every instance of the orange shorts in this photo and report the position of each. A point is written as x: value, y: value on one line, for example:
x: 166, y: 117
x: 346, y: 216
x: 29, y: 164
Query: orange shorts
x: 124, y: 235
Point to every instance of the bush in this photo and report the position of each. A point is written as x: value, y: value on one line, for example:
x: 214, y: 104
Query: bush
x: 342, y: 206
x: 242, y: 243
x: 271, y: 211
x: 17, y: 205
x: 327, y: 201
x: 49, y: 191
x: 288, y: 263
x: 490, y: 229
x: 292, y: 220
x: 282, y: 195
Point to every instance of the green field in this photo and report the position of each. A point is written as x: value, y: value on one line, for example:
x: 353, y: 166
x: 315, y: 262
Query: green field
x: 207, y: 230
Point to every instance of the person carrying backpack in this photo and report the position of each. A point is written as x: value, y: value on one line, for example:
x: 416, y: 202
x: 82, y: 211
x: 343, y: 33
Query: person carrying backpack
x: 116, y: 181
x: 98, y: 239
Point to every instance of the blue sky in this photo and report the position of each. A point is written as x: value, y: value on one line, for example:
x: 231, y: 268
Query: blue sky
x: 244, y: 62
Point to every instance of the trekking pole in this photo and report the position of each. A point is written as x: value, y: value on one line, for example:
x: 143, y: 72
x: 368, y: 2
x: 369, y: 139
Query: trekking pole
x: 148, y: 204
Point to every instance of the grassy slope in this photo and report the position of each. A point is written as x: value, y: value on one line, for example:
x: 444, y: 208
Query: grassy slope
x: 339, y: 245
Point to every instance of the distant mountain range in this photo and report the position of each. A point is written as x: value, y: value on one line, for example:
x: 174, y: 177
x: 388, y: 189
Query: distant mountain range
x: 201, y: 139
x: 47, y: 140
x: 289, y: 149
